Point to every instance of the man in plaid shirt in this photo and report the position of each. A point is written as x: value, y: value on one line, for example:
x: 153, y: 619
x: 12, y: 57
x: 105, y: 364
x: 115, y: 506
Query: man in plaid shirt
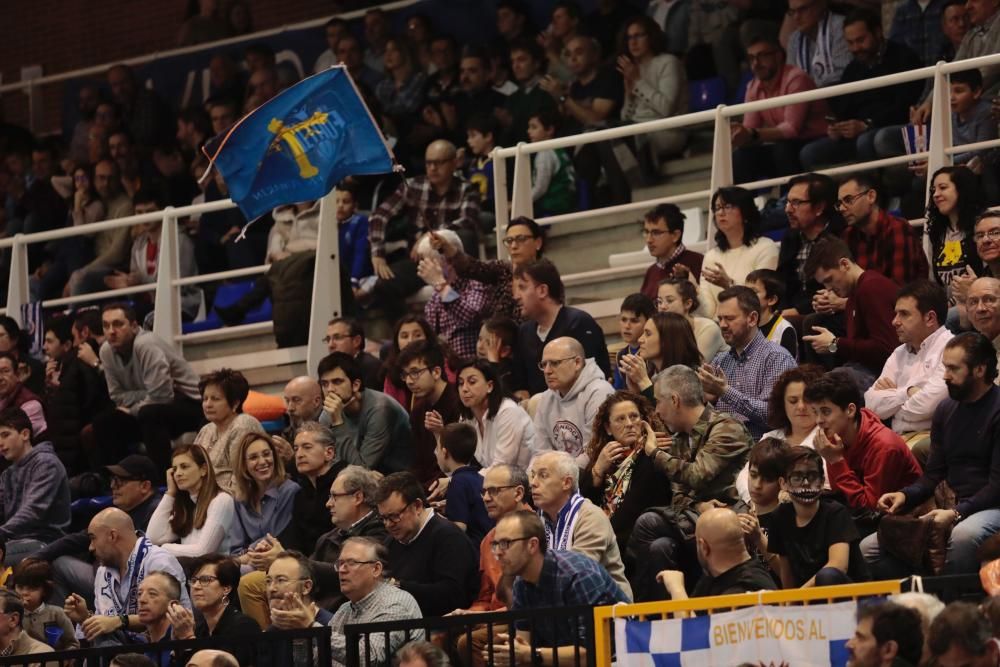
x: 435, y: 201
x: 879, y: 241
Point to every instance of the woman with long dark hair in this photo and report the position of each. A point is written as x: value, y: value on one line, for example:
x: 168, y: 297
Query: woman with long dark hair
x: 955, y: 202
x: 506, y: 432
x: 666, y: 339
x: 195, y: 516
x: 739, y: 247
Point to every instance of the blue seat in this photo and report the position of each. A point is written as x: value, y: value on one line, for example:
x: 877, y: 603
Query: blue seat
x: 273, y: 426
x: 228, y: 294
x: 707, y: 93
x: 741, y: 90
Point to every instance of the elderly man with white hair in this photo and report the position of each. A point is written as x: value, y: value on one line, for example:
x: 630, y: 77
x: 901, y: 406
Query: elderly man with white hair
x: 572, y: 522
x: 459, y: 305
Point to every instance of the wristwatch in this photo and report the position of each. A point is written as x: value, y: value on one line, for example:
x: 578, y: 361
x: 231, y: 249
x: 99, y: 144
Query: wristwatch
x: 833, y: 346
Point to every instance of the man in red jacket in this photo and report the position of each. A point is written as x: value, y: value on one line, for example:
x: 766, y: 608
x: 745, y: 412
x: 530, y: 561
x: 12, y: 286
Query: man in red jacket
x: 868, y: 313
x: 864, y: 458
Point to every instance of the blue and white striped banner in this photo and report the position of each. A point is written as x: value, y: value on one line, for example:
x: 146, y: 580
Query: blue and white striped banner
x: 809, y: 636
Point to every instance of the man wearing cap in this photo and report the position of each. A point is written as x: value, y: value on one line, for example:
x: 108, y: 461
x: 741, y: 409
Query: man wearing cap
x: 133, y: 492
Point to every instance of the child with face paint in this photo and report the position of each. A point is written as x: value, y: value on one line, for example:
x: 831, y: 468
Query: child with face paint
x: 815, y: 537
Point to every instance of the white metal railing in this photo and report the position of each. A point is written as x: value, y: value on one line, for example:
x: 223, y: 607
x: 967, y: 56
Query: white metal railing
x: 30, y: 86
x: 326, y: 284
x: 939, y: 151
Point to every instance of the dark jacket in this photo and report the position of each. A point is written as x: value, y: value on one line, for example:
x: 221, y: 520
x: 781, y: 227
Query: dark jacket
x: 81, y: 394
x: 799, y: 295
x: 34, y: 497
x: 310, y: 517
x: 77, y: 544
x: 571, y: 322
x: 881, y: 106
x: 234, y: 632
x: 327, y: 551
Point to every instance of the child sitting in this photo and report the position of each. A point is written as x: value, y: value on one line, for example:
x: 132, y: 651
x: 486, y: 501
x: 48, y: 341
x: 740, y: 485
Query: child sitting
x: 497, y: 338
x: 352, y: 230
x: 635, y: 310
x: 970, y: 117
x: 480, y: 134
x: 770, y: 289
x: 33, y: 584
x: 765, y: 468
x: 815, y: 538
x: 553, y: 181
x: 455, y: 451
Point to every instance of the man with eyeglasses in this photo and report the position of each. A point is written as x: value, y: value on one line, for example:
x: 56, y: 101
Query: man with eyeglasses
x: 767, y: 142
x: 982, y: 309
x: 435, y: 403
x: 662, y: 231
x: 369, y: 428
x: 429, y: 557
x: 564, y: 416
x: 351, y: 506
x: 810, y: 207
x: 291, y: 573
x: 370, y: 599
x: 440, y: 199
x: 124, y: 556
x: 133, y: 490
x: 344, y: 334
x: 546, y: 577
x: 965, y: 437
x: 878, y: 240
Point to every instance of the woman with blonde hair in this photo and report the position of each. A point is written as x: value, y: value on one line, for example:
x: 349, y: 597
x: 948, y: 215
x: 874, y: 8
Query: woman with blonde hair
x: 264, y: 494
x: 195, y: 515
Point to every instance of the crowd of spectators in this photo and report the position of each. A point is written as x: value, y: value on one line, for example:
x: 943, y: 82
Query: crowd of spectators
x: 816, y: 412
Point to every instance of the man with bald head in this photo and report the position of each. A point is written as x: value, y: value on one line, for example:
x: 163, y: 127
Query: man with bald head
x: 212, y: 658
x: 982, y: 307
x: 576, y: 389
x: 303, y: 403
x: 125, y: 556
x: 437, y: 200
x: 722, y: 553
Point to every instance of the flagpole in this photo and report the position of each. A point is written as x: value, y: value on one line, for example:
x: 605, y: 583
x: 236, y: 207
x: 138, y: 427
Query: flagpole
x: 326, y: 297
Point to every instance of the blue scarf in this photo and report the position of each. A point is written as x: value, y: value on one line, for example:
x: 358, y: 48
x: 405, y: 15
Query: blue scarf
x: 561, y: 538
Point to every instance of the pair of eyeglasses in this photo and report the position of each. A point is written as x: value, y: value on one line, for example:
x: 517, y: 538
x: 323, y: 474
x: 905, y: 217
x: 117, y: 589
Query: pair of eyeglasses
x: 848, y: 200
x: 520, y: 239
x: 808, y: 477
x: 493, y: 491
x: 554, y: 363
x: 203, y: 579
x: 336, y: 338
x: 414, y: 374
x: 394, y: 517
x: 992, y: 235
x: 496, y: 546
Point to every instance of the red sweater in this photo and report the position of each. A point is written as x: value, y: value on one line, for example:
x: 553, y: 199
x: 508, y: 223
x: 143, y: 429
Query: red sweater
x: 868, y: 316
x: 654, y: 274
x: 878, y: 462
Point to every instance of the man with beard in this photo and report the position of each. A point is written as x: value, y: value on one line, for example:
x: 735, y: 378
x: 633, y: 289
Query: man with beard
x: 888, y: 635
x: 965, y: 452
x: 815, y: 538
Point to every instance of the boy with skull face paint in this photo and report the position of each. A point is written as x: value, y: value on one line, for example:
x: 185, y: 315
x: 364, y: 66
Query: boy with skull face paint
x: 815, y: 537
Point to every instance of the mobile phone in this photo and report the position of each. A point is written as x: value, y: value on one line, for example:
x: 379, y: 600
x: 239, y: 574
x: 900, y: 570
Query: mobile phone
x: 831, y: 119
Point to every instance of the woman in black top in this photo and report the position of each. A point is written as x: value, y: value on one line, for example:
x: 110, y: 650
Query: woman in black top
x: 213, y: 594
x: 620, y: 478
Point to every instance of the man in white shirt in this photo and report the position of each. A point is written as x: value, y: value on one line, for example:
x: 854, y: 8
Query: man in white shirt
x: 912, y: 381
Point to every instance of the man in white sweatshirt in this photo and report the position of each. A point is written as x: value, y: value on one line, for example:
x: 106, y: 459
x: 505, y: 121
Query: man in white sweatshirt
x: 576, y: 388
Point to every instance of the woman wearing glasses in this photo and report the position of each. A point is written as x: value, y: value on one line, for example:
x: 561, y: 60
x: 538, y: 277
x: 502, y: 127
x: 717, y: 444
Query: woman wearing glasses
x: 195, y: 516
x: 524, y: 241
x: 216, y: 609
x: 739, y: 247
x: 620, y: 477
x: 679, y: 295
x: 264, y: 496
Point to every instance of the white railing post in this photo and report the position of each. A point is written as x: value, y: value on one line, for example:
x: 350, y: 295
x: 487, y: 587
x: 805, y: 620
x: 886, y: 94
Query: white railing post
x: 521, y: 202
x: 17, y: 288
x: 501, y: 207
x: 326, y: 299
x: 167, y: 304
x: 722, y: 166
x: 940, y: 138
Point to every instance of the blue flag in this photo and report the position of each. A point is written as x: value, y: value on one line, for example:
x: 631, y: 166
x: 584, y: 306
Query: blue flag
x: 300, y: 144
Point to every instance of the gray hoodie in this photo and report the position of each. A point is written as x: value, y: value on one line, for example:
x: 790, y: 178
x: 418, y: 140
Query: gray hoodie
x: 564, y: 423
x: 34, y: 497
